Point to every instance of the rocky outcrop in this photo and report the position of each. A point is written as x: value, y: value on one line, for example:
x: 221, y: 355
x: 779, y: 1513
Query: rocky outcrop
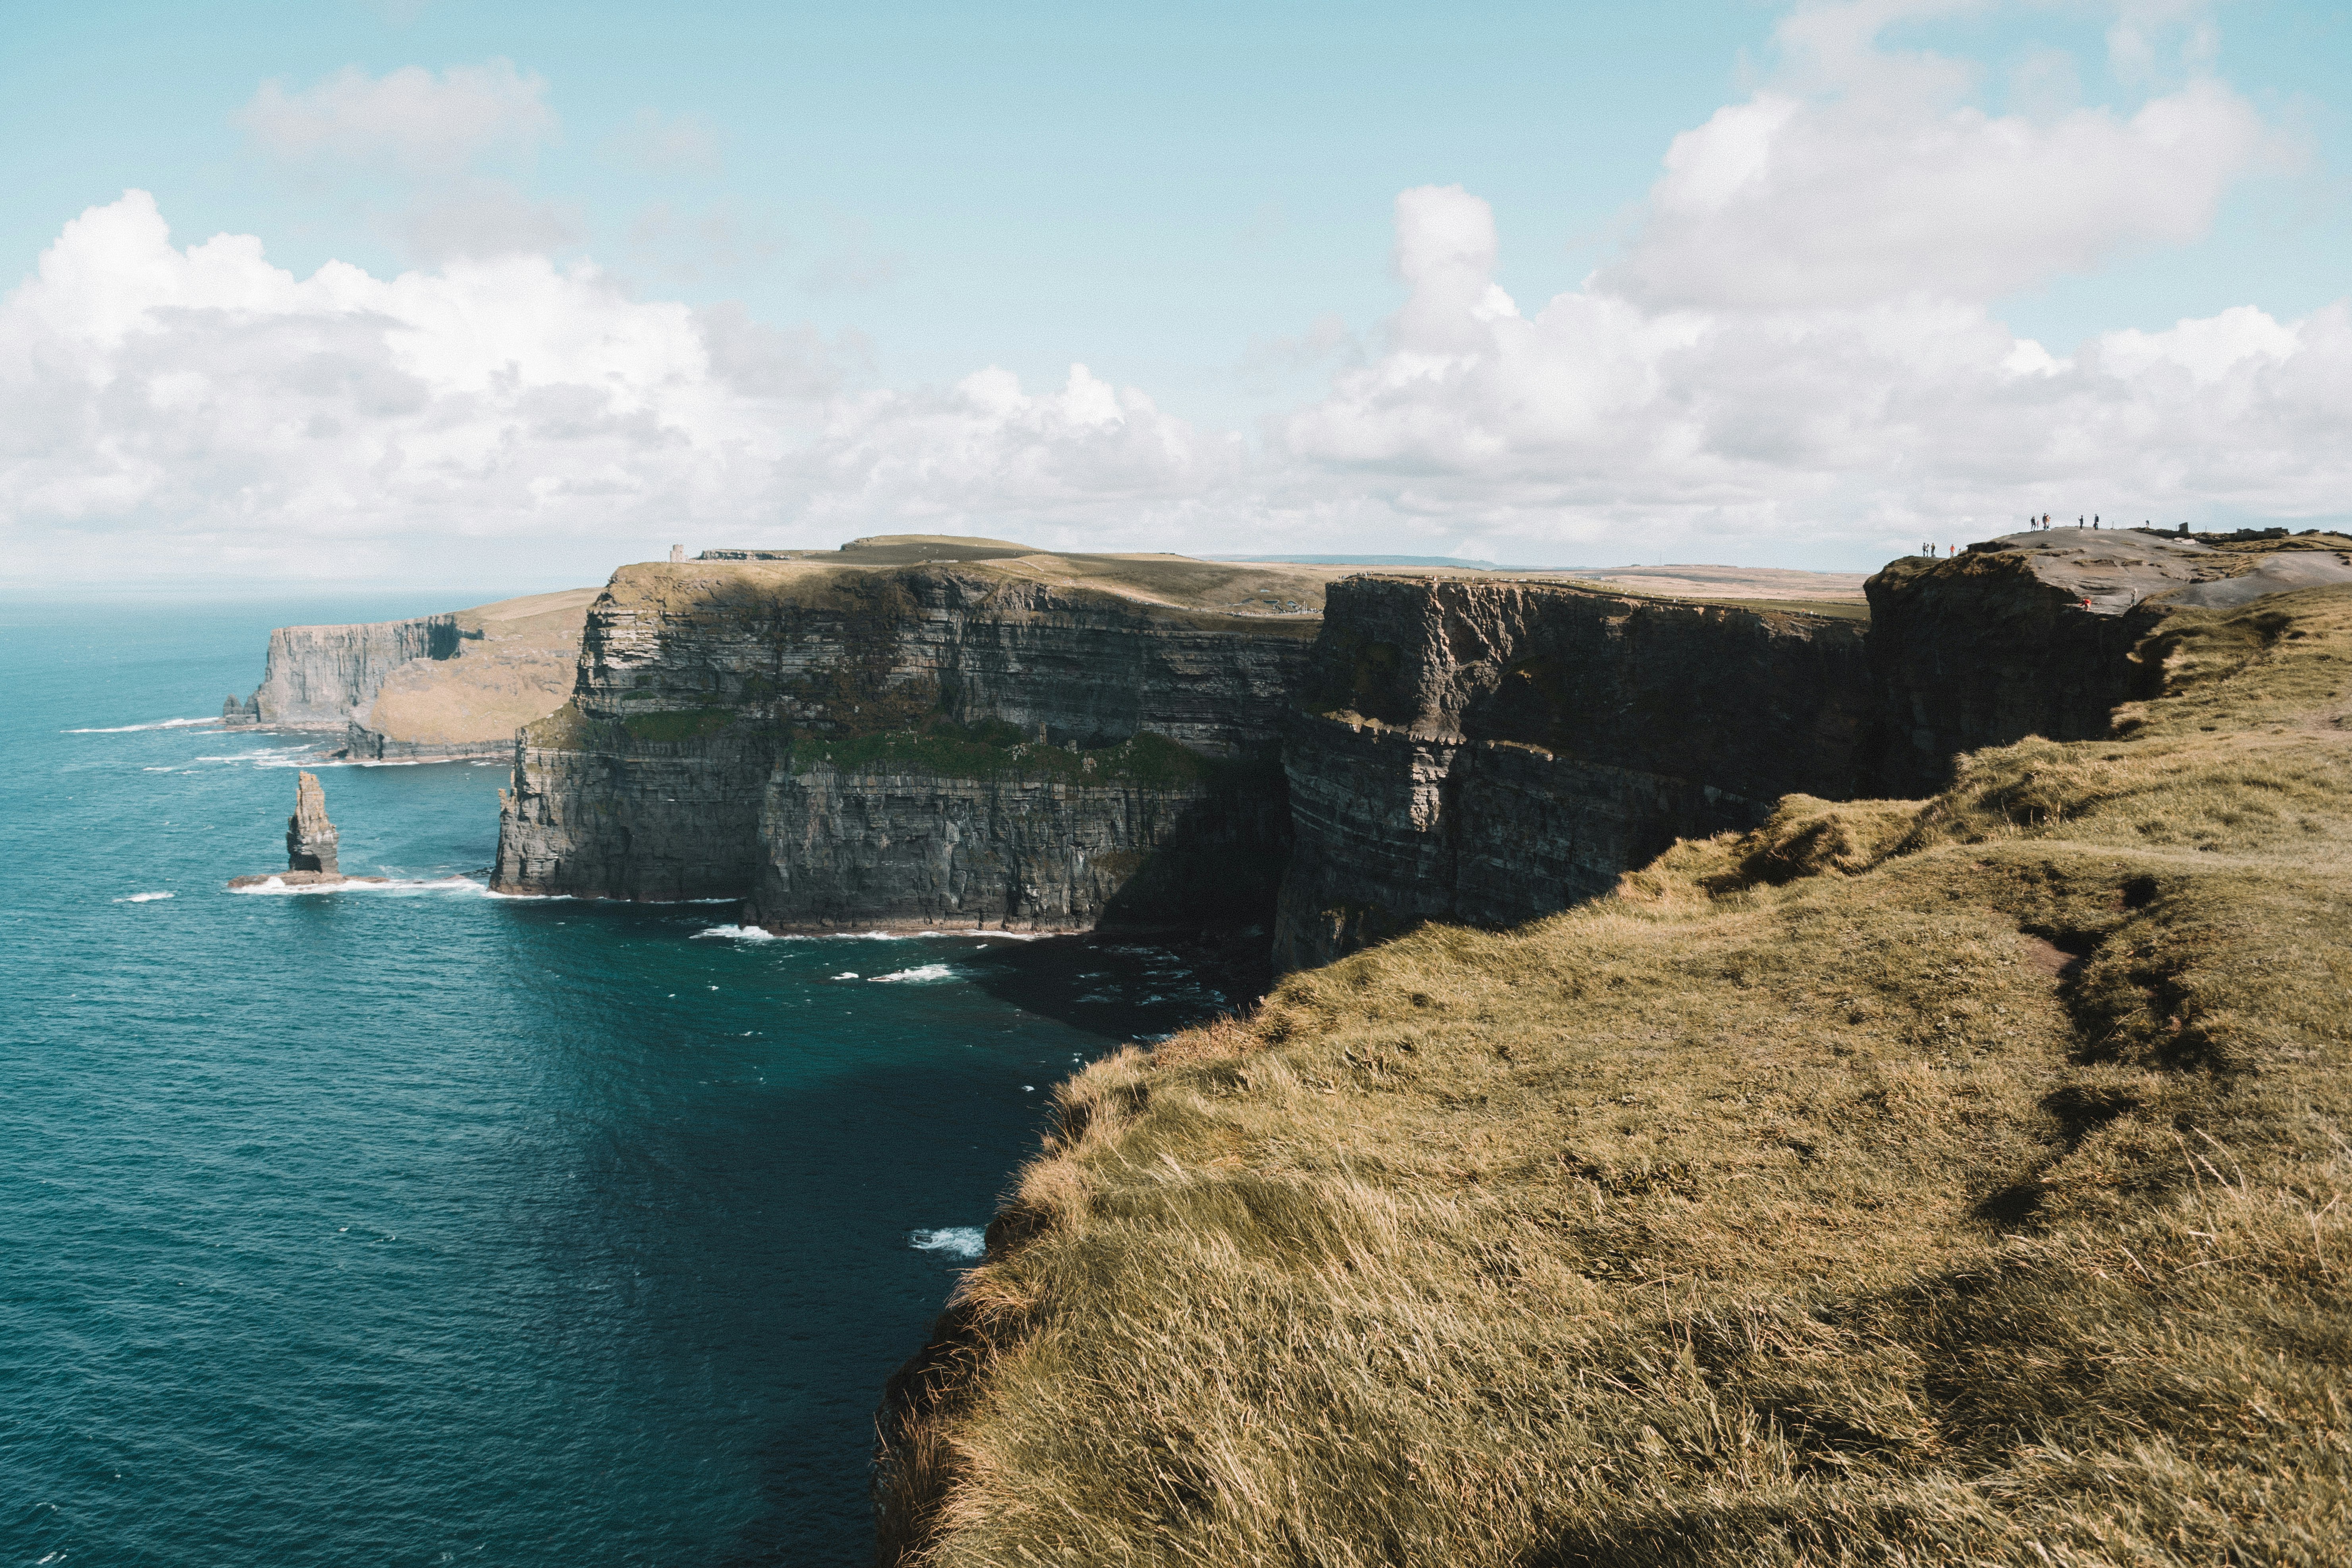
x: 2033, y: 634
x: 310, y: 848
x: 1013, y: 738
x: 1484, y: 752
x: 311, y: 839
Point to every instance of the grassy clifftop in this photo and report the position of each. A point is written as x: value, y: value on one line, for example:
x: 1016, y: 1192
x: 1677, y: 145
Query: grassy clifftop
x: 1955, y: 1180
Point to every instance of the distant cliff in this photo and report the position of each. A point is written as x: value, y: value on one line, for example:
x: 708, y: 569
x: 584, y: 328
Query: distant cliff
x: 453, y: 685
x: 321, y: 678
x: 922, y: 732
x: 1483, y: 752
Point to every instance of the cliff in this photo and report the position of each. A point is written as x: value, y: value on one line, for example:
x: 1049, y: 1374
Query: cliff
x: 1483, y: 752
x: 922, y: 730
x: 1957, y: 1179
x: 453, y: 685
x: 514, y: 662
x: 321, y: 677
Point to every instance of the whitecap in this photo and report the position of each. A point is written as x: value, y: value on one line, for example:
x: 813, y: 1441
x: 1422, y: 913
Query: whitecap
x: 918, y: 975
x: 391, y: 885
x: 735, y: 933
x: 146, y: 898
x: 159, y: 724
x: 955, y: 1240
x: 847, y: 974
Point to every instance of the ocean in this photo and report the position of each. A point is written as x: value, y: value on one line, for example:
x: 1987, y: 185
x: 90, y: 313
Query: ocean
x: 420, y: 1226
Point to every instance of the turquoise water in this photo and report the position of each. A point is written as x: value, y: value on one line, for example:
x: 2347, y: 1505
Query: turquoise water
x: 418, y: 1225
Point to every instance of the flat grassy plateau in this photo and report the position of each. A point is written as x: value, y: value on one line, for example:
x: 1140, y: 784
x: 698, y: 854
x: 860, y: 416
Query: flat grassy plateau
x: 1949, y: 1182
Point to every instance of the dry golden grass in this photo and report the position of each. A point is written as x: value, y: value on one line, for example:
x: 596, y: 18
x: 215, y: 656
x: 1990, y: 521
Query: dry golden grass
x: 1950, y: 1182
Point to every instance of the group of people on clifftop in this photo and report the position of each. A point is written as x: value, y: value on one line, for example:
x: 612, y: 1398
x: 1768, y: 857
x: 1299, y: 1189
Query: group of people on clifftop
x: 2036, y: 524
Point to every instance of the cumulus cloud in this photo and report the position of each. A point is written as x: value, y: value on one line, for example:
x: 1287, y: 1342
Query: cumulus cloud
x: 206, y: 411
x: 1871, y: 422
x: 412, y: 117
x: 167, y: 411
x: 1864, y: 178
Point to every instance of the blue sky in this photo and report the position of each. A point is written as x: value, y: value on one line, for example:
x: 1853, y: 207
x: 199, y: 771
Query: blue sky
x: 1201, y: 205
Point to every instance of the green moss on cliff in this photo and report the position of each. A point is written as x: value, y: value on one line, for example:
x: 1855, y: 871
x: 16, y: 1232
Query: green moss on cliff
x: 994, y: 749
x: 686, y: 724
x: 1961, y: 1181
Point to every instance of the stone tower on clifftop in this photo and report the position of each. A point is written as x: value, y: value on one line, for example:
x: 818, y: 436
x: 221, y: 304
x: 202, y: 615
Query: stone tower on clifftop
x: 309, y: 836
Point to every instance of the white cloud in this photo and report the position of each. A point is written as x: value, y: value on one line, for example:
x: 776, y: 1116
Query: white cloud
x: 409, y: 118
x: 1866, y: 422
x: 203, y: 412
x: 1871, y: 179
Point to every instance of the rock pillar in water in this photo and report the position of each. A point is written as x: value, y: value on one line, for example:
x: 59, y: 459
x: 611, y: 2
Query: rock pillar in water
x: 235, y: 709
x: 309, y: 836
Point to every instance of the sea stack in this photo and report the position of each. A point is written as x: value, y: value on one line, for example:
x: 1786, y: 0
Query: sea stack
x: 309, y: 836
x: 309, y: 846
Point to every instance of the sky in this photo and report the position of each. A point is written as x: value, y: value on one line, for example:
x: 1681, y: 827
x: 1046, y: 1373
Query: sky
x: 416, y: 292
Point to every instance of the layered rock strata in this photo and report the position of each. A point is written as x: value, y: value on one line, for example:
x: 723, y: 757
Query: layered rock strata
x: 1484, y: 752
x: 311, y: 839
x: 922, y: 732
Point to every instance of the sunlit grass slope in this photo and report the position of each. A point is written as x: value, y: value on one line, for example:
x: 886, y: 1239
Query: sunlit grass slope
x: 1955, y: 1180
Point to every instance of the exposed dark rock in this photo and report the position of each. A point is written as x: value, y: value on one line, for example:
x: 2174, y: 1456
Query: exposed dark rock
x: 311, y: 839
x: 1486, y: 753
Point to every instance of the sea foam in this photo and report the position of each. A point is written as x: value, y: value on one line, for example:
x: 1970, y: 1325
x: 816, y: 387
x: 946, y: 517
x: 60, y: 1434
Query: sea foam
x: 955, y: 1240
x: 736, y: 933
x: 159, y: 724
x: 391, y: 885
x: 146, y: 898
x: 918, y: 975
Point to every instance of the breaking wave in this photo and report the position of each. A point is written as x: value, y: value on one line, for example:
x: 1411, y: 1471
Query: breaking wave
x: 918, y: 975
x: 391, y: 885
x: 737, y: 933
x: 955, y: 1240
x: 146, y: 898
x: 158, y: 724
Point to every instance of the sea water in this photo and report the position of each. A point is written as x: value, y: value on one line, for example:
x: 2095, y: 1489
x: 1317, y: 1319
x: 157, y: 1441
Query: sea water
x: 415, y: 1225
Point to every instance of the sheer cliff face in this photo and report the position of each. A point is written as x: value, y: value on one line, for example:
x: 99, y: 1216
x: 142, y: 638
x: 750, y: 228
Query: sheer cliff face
x: 321, y: 678
x: 1487, y: 753
x: 880, y: 845
x: 942, y: 745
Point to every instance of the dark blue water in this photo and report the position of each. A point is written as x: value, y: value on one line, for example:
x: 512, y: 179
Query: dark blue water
x: 416, y: 1226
